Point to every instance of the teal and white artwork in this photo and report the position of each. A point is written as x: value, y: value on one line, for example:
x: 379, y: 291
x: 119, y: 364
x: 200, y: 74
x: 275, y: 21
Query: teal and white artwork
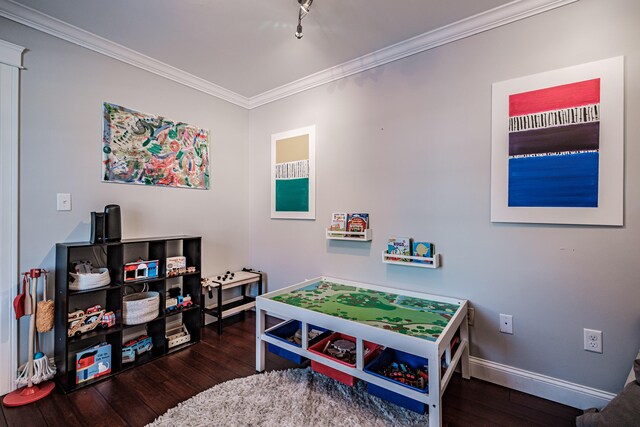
x: 293, y: 174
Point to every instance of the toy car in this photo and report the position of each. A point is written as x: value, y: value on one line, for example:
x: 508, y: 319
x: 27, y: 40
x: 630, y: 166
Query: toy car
x: 128, y: 354
x: 136, y: 347
x: 175, y: 301
x: 81, y: 322
x: 75, y: 315
x: 108, y: 320
x: 96, y: 308
x: 85, y: 324
x: 144, y: 343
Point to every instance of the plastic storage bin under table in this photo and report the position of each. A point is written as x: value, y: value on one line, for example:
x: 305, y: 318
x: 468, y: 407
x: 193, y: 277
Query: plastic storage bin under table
x: 385, y: 359
x: 288, y: 329
x: 334, y: 373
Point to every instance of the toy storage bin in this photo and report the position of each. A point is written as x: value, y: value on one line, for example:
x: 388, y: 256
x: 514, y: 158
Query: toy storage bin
x: 141, y: 307
x: 288, y: 329
x: 388, y: 356
x: 398, y: 399
x: 347, y: 379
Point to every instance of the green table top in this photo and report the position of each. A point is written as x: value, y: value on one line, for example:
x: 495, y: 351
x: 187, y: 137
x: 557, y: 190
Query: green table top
x: 416, y: 317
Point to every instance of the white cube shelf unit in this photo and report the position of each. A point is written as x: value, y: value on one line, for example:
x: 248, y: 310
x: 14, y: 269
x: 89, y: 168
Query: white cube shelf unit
x: 435, y: 349
x: 354, y: 236
x: 410, y: 261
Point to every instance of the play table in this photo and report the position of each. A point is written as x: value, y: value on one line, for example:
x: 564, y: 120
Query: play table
x: 420, y: 324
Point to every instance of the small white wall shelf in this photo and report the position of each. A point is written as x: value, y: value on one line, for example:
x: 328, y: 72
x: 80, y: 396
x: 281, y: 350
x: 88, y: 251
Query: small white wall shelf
x: 355, y: 236
x: 435, y: 260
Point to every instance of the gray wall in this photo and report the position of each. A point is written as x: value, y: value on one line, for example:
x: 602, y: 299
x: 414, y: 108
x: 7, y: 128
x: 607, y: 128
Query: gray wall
x: 63, y: 88
x: 409, y: 142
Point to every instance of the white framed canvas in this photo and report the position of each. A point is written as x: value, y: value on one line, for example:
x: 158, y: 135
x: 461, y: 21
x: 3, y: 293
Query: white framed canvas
x: 557, y: 146
x: 293, y: 174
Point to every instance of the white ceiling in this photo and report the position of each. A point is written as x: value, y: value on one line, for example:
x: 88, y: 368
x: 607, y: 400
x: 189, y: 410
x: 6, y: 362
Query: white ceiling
x: 249, y: 47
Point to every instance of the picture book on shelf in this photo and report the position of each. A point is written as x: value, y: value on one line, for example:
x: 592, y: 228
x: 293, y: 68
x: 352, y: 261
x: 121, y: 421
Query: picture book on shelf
x: 423, y: 249
x: 357, y: 222
x: 399, y: 246
x: 338, y: 222
x: 93, y: 362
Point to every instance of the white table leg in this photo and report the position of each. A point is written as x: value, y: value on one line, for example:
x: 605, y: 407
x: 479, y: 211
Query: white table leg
x: 435, y: 395
x: 464, y: 359
x: 261, y: 346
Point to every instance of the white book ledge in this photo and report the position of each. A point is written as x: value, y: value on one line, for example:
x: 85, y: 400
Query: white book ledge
x: 411, y: 261
x: 355, y: 236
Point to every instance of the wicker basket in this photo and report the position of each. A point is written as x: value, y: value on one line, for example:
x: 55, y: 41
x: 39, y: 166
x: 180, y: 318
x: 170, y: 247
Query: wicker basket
x: 140, y: 307
x: 98, y: 278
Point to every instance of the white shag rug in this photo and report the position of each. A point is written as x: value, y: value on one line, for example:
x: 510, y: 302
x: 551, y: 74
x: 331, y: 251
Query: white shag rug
x: 291, y: 398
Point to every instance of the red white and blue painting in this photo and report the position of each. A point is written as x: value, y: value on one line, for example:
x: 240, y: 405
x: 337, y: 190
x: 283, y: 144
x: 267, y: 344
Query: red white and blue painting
x: 557, y: 146
x: 554, y: 137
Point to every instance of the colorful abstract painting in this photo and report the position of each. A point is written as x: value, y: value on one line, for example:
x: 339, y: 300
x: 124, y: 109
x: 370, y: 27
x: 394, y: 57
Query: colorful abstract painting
x: 554, y: 137
x: 293, y: 174
x: 139, y: 148
x: 557, y: 146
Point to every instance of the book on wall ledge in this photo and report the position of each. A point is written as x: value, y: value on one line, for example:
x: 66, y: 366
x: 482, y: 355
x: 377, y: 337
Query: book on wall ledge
x: 357, y: 222
x: 399, y: 246
x: 338, y: 222
x: 423, y: 249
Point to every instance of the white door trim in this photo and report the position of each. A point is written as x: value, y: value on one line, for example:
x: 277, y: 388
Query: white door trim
x: 10, y: 64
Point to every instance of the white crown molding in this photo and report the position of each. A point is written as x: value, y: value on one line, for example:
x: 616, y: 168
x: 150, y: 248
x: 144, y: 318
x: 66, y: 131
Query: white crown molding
x: 60, y: 29
x: 502, y: 15
x: 567, y: 393
x: 11, y: 54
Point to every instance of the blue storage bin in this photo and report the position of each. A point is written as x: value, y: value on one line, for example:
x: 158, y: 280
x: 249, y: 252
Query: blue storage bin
x: 398, y: 399
x: 288, y: 329
x: 387, y: 357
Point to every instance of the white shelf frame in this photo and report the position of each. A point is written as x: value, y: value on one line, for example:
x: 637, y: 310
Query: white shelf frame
x: 435, y: 260
x: 431, y: 350
x: 362, y: 236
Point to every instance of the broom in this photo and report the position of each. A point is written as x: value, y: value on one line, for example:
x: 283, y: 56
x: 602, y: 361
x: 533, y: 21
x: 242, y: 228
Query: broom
x: 44, y: 310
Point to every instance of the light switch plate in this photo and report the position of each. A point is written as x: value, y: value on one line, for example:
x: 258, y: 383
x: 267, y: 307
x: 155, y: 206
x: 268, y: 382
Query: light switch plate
x: 64, y: 201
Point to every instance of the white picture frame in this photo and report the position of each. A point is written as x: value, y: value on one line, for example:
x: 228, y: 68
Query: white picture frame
x: 610, y: 172
x: 293, y: 174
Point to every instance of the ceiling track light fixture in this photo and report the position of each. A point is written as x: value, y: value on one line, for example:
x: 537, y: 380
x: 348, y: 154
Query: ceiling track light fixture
x: 302, y: 12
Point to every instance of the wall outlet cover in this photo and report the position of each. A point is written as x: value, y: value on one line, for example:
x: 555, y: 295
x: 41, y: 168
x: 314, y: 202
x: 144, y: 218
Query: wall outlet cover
x: 593, y: 340
x: 506, y: 323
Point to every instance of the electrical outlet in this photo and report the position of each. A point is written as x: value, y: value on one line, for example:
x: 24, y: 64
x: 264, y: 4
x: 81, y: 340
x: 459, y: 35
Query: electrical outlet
x: 471, y: 315
x: 593, y: 340
x: 506, y: 323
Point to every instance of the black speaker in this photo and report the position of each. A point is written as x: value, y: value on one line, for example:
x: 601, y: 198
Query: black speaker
x: 97, y: 227
x: 112, y: 223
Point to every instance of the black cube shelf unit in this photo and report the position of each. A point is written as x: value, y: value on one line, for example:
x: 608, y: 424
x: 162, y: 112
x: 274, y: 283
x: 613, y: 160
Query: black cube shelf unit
x: 114, y: 256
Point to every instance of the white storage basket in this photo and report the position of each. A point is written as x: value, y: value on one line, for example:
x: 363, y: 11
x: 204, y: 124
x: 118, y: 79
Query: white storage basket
x: 98, y: 278
x: 140, y: 307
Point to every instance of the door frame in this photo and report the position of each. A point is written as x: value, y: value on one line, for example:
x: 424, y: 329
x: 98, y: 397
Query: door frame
x: 10, y: 65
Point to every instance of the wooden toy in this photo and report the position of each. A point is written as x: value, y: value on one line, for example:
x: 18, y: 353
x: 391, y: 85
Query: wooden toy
x: 140, y: 270
x: 86, y: 321
x: 177, y: 302
x: 135, y: 347
x: 177, y: 336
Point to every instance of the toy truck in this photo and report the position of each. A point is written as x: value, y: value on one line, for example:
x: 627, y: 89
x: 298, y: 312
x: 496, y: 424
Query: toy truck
x: 86, y: 321
x: 176, y: 302
x: 136, y: 347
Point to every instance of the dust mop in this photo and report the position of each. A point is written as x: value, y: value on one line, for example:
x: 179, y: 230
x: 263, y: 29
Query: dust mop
x: 44, y: 309
x: 31, y: 392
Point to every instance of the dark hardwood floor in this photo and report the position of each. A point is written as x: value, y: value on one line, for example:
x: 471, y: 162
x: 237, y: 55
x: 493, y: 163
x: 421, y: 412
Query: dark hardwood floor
x: 139, y: 395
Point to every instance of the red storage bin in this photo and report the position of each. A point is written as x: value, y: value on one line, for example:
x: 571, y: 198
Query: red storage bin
x: 334, y: 373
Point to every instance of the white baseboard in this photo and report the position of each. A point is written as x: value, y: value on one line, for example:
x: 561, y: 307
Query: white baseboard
x: 567, y: 393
